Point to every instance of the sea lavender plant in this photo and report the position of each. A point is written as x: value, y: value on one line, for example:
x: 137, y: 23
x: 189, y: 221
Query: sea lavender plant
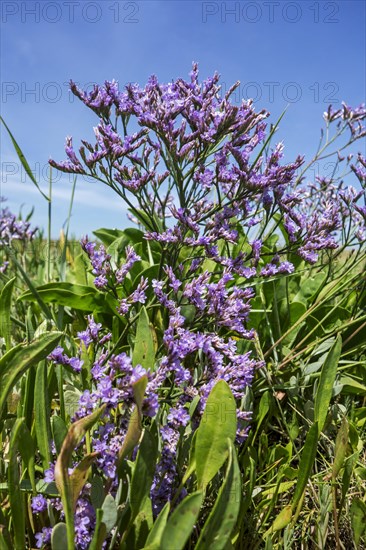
x: 201, y: 181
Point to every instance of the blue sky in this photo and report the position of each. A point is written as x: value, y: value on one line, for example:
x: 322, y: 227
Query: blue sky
x: 305, y: 53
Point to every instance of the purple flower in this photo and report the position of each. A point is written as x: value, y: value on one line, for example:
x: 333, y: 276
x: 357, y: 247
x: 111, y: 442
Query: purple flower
x: 44, y: 537
x: 39, y: 504
x: 76, y: 364
x: 49, y: 475
x: 178, y: 417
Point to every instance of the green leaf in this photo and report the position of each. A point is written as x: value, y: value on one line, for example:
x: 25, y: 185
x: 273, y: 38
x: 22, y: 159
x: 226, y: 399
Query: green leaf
x: 218, y: 424
x: 358, y: 519
x: 70, y: 485
x: 27, y: 449
x: 5, y: 540
x: 71, y: 401
x: 192, y: 459
x: 326, y: 382
x: 134, y: 429
x: 85, y: 298
x: 306, y: 463
x: 107, y: 236
x: 351, y: 386
x: 5, y: 304
x: 264, y: 408
x: 80, y: 474
x: 42, y: 414
x: 221, y: 521
x: 16, y: 497
x: 144, y: 351
x: 281, y: 521
x: 23, y: 160
x: 180, y: 524
x: 156, y: 533
x: 100, y: 532
x: 141, y: 519
x: 59, y: 431
x: 97, y: 495
x: 340, y: 451
x: 59, y: 537
x: 19, y: 359
x: 143, y: 473
x: 349, y: 465
x: 109, y: 508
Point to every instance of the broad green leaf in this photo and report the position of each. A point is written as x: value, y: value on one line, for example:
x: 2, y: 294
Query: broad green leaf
x: 5, y: 305
x: 358, y: 519
x: 156, y: 533
x: 107, y: 236
x: 306, y: 463
x: 134, y: 430
x: 143, y: 473
x: 180, y: 524
x: 221, y: 521
x: 16, y: 497
x: 326, y: 382
x: 144, y: 349
x: 109, y: 509
x: 85, y: 298
x: 79, y: 272
x: 340, y: 451
x: 59, y: 537
x: 71, y: 401
x: 80, y: 474
x: 18, y: 360
x: 351, y: 386
x: 42, y: 412
x: 218, y: 424
x: 97, y: 495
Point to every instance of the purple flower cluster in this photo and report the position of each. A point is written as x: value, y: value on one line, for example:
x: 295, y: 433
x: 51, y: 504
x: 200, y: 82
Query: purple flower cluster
x: 110, y: 278
x: 200, y: 178
x: 13, y: 229
x: 205, y: 147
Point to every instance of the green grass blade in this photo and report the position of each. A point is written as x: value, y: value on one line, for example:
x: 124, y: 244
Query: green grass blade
x: 326, y: 382
x: 306, y: 463
x: 42, y: 414
x: 23, y: 159
x: 5, y: 304
x: 16, y: 497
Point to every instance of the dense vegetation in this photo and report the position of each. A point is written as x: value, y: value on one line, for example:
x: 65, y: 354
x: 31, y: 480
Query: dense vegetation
x: 197, y: 381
